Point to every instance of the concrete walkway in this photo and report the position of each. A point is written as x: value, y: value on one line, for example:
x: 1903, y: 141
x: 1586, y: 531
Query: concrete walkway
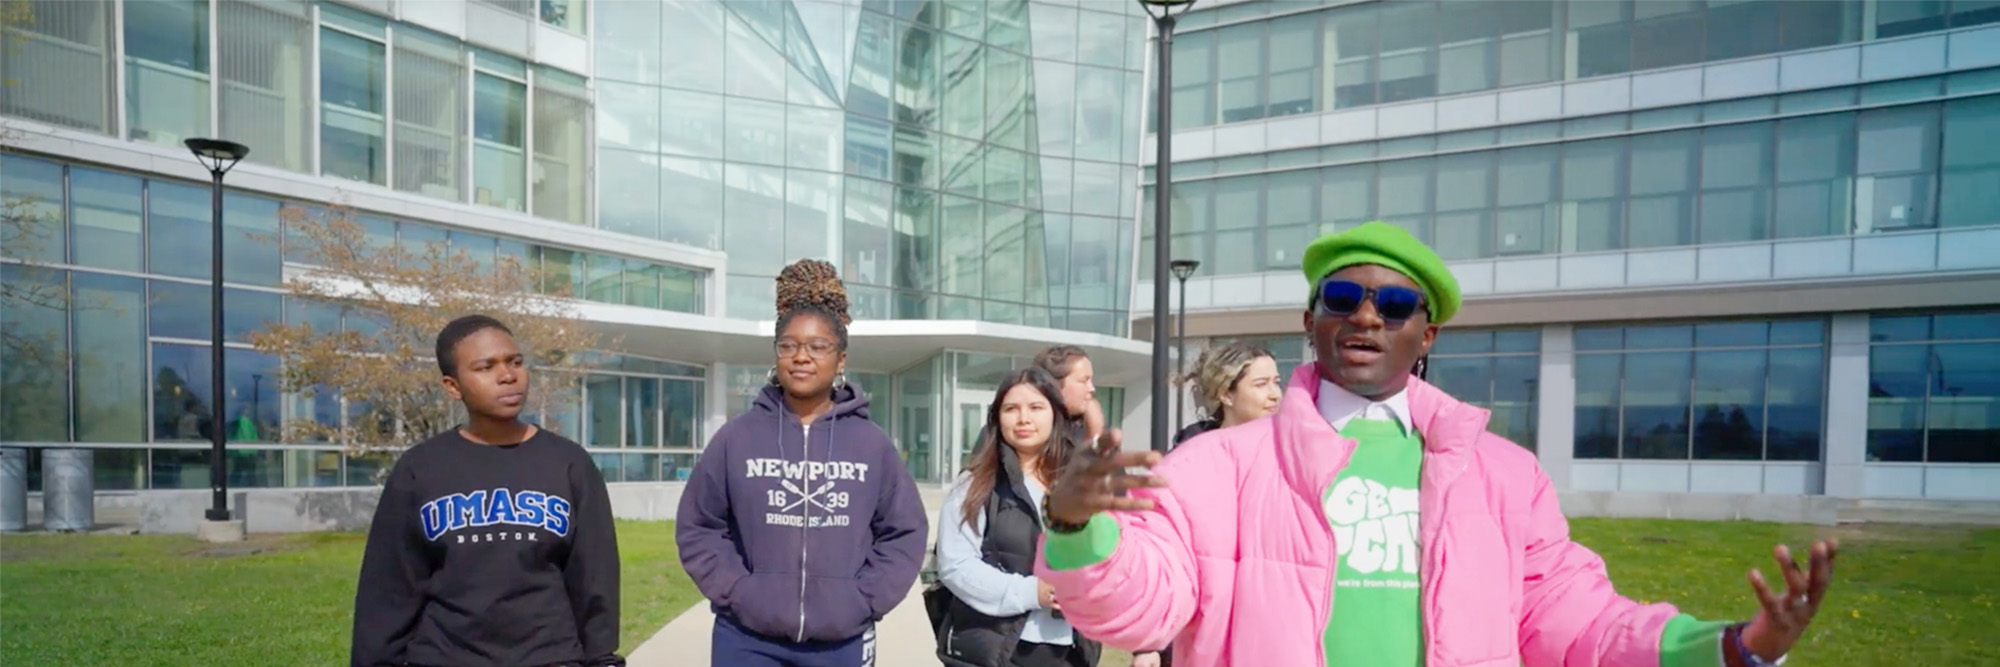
x: 902, y: 640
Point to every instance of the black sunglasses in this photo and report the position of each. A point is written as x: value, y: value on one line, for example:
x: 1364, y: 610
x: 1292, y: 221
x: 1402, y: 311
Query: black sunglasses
x: 1340, y: 298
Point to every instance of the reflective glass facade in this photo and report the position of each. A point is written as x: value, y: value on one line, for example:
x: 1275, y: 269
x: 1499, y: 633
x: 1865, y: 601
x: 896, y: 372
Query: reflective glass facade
x: 1688, y: 232
x: 965, y: 160
x: 108, y: 335
x: 1859, y: 160
x: 1257, y: 60
x: 956, y: 160
x: 396, y: 105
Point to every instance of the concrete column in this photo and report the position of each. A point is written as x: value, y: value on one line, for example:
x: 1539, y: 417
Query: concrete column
x: 1846, y: 434
x: 1555, y: 403
x: 718, y: 399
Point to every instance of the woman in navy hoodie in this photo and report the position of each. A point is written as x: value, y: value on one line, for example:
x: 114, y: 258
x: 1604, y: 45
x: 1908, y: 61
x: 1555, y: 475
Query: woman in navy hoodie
x: 800, y: 524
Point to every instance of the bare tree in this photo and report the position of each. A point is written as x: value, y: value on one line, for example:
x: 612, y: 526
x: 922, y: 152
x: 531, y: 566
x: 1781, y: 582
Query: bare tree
x: 378, y: 357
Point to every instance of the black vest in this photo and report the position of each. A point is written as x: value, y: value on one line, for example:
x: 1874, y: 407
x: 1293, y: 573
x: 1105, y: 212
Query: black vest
x: 1013, y: 527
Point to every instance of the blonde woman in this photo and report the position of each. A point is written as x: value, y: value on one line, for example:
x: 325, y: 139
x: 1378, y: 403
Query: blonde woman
x: 1233, y: 384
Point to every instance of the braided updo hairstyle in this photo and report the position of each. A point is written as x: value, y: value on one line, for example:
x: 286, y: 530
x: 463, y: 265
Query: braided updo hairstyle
x: 813, y: 287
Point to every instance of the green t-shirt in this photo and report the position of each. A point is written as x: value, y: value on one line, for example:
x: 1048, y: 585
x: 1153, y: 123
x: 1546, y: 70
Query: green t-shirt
x: 1372, y: 505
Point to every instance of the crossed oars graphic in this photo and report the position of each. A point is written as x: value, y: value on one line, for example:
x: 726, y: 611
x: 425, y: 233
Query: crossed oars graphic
x: 805, y: 497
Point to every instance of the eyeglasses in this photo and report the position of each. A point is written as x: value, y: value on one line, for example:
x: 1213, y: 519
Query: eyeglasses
x: 1340, y: 298
x: 819, y: 347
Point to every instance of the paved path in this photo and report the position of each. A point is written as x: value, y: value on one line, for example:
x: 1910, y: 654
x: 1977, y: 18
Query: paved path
x: 901, y: 640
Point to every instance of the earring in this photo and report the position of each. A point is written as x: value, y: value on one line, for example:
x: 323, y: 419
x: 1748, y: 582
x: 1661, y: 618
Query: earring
x: 840, y: 381
x: 772, y: 377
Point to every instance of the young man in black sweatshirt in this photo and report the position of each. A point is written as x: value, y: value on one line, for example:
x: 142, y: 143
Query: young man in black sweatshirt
x: 493, y: 542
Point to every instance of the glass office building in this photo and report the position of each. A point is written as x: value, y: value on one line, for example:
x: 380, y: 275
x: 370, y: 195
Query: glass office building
x: 971, y: 168
x: 1747, y: 247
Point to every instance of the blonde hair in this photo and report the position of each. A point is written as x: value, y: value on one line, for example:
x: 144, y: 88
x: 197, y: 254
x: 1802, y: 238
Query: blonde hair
x: 1217, y: 371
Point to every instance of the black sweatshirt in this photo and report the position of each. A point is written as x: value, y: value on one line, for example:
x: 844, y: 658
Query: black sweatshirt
x: 498, y: 555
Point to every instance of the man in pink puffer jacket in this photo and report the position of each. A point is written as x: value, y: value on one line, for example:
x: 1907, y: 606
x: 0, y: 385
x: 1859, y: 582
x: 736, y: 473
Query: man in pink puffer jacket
x: 1372, y: 521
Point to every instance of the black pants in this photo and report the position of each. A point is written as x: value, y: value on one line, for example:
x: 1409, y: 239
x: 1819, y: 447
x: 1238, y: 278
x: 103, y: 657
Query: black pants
x: 1031, y: 654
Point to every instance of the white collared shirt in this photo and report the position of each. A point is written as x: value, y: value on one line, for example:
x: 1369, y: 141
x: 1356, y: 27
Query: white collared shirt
x: 1340, y: 406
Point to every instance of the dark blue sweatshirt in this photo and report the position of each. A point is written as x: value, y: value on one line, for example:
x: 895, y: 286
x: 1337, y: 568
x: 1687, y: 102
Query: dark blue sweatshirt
x: 802, y: 533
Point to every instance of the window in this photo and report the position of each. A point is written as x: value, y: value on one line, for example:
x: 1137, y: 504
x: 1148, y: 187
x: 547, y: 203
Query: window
x: 1815, y: 168
x: 1750, y: 390
x: 166, y: 71
x: 32, y: 193
x: 183, y: 408
x: 1934, y: 388
x: 250, y: 240
x: 1496, y: 370
x: 1194, y: 75
x: 109, y: 214
x: 60, y: 68
x: 34, y: 382
x: 430, y: 98
x: 1971, y: 186
x: 1894, y: 165
x: 1736, y: 171
x: 110, y: 363
x: 1662, y: 175
x: 499, y: 158
x: 565, y: 14
x: 354, y: 98
x: 561, y: 111
x: 180, y: 222
x: 265, y: 74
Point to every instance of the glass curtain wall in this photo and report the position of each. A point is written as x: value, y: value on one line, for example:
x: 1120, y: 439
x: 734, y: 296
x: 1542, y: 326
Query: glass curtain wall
x: 126, y: 370
x: 1878, y: 158
x: 1717, y: 391
x: 1496, y: 370
x: 462, y: 115
x: 954, y: 160
x: 1232, y: 64
x: 1934, y: 388
x: 62, y: 50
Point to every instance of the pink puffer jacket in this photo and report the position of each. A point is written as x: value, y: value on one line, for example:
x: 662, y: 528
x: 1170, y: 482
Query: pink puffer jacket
x: 1234, y: 566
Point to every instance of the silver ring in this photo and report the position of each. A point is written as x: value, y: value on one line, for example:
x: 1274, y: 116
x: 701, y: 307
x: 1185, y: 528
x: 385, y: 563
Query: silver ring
x: 1799, y: 601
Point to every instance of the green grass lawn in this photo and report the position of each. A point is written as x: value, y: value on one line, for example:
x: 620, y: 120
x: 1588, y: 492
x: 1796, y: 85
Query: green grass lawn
x: 1904, y: 595
x: 157, y: 600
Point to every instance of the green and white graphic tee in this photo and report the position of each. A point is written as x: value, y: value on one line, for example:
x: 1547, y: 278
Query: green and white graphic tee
x: 1373, y: 508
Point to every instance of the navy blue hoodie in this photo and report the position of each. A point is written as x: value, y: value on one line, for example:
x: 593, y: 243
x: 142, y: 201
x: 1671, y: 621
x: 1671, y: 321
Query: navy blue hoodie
x: 802, y: 534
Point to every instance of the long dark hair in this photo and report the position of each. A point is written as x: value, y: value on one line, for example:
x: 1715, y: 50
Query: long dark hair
x: 986, y: 469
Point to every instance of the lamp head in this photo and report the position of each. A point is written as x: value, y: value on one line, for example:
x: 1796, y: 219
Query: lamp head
x: 1183, y: 268
x: 1168, y: 8
x: 217, y: 155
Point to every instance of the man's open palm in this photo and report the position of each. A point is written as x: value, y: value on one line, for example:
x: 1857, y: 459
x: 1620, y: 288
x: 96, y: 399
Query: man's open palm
x: 1097, y: 481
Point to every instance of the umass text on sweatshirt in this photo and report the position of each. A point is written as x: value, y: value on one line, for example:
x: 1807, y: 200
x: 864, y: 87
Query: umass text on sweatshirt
x: 802, y: 533
x: 490, y: 555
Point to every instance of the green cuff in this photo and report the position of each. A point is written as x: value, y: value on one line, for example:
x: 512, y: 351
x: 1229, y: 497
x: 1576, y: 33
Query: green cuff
x: 1084, y: 548
x: 1688, y: 642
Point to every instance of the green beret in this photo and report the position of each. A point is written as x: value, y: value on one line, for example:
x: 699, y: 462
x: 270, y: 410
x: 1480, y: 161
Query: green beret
x: 1391, y: 247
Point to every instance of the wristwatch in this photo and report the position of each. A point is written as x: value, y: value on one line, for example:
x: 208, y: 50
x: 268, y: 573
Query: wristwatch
x: 1733, y: 640
x: 1050, y: 523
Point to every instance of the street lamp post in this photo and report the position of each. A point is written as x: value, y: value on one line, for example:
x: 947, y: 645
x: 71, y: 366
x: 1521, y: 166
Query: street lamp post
x: 1163, y: 27
x: 1183, y: 269
x: 218, y: 156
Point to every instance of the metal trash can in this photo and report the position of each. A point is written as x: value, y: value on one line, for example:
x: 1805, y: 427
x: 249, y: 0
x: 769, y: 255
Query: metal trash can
x: 13, y: 489
x: 69, y: 501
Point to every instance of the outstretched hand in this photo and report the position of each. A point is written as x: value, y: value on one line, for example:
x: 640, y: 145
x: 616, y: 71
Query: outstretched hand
x: 1097, y: 481
x: 1783, y: 619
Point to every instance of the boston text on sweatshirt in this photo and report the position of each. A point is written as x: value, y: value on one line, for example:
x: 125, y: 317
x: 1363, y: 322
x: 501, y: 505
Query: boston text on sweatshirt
x: 490, y: 555
x: 802, y: 533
